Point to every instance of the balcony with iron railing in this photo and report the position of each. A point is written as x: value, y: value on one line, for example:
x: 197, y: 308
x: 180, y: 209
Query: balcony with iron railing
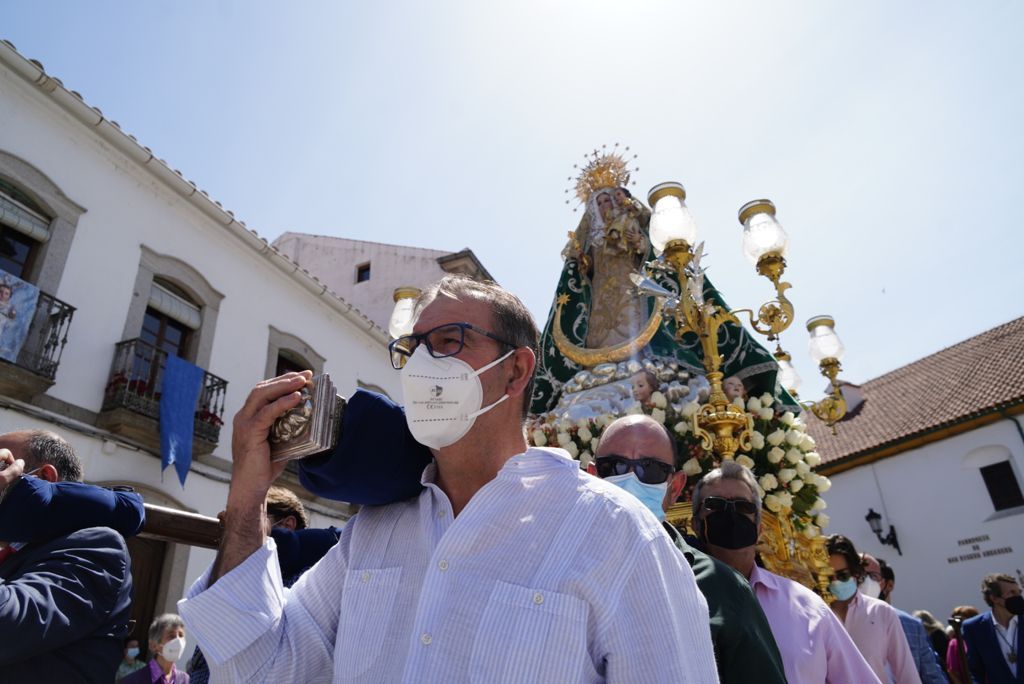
x: 131, y: 401
x: 35, y: 368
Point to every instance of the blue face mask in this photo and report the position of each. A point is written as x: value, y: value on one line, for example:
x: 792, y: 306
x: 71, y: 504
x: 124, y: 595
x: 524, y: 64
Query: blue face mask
x: 133, y: 652
x: 650, y: 495
x: 843, y: 590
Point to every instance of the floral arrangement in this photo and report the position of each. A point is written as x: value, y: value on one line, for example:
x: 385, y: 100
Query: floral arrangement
x: 782, y: 456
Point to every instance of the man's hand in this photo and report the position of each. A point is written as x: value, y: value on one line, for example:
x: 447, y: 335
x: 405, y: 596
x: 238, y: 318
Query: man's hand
x: 252, y: 471
x: 10, y: 471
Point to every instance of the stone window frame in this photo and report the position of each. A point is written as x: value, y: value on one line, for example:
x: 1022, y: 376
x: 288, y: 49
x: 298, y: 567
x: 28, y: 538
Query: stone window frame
x: 48, y: 263
x: 153, y: 265
x: 278, y: 340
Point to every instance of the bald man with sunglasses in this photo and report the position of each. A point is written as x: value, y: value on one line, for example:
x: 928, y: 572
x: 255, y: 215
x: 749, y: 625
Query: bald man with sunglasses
x: 637, y: 454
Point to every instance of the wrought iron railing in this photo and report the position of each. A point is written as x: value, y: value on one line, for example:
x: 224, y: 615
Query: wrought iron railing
x: 47, y: 336
x: 136, y: 379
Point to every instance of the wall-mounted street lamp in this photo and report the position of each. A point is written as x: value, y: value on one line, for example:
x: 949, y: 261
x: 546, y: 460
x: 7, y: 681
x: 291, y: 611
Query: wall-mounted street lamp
x: 875, y: 521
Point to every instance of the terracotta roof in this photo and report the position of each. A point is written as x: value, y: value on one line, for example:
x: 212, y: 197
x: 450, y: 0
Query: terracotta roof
x: 926, y: 400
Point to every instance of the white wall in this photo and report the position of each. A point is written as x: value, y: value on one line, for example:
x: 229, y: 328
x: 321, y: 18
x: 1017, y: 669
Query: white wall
x: 127, y: 207
x: 334, y: 261
x: 935, y: 497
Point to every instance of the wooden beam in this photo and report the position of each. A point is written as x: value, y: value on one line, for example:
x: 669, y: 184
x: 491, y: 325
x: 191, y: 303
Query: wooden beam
x: 181, y: 527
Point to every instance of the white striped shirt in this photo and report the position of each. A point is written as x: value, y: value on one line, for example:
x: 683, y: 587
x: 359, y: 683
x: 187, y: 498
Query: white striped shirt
x: 547, y: 575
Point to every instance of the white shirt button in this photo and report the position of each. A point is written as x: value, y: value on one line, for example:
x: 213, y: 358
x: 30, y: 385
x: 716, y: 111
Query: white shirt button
x: 365, y: 577
x: 441, y: 513
x: 442, y: 565
x: 426, y: 639
x: 538, y: 598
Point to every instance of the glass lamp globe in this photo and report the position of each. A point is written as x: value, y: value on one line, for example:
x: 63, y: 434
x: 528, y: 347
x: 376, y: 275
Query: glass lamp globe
x: 824, y: 344
x: 762, y: 234
x: 787, y: 376
x: 402, y: 316
x: 670, y: 217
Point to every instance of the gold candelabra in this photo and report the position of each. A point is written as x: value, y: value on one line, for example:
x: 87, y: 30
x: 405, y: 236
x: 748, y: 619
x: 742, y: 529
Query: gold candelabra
x: 723, y: 427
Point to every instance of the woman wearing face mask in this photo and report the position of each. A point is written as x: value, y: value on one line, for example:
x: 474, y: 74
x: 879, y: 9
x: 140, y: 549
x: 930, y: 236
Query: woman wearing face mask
x: 873, y: 624
x: 167, y: 644
x: 131, y: 661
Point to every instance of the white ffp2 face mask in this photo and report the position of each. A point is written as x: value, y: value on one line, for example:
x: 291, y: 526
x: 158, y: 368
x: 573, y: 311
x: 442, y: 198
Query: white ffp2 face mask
x: 870, y: 587
x: 443, y: 397
x: 173, y: 649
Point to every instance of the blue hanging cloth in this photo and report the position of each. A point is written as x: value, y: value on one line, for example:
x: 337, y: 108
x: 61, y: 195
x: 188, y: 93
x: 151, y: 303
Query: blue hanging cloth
x: 180, y: 393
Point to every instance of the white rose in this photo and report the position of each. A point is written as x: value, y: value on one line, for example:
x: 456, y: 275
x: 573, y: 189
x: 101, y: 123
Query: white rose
x: 766, y: 414
x: 586, y: 459
x: 786, y: 474
x: 822, y: 520
x: 563, y: 439
x: 811, y: 531
x: 775, y: 455
x: 793, y: 437
x: 796, y: 485
x: 813, y: 459
x: 767, y: 399
x: 658, y: 399
x: 634, y: 410
x: 745, y: 461
x: 585, y: 435
x: 768, y: 482
x: 823, y: 484
x: 658, y: 415
x: 772, y: 503
x: 738, y: 403
x: 565, y: 425
x: 794, y: 456
x: 786, y: 499
x: 753, y: 404
x: 682, y: 427
x: 818, y: 505
x: 776, y: 438
x: 573, y: 450
x: 692, y: 467
x: 787, y: 418
x: 582, y: 423
x: 757, y: 440
x: 690, y: 408
x: 807, y: 443
x: 802, y: 469
x: 539, y: 439
x: 593, y: 444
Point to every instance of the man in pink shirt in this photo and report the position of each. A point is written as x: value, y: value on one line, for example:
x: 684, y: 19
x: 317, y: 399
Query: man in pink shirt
x: 814, y: 646
x: 872, y: 623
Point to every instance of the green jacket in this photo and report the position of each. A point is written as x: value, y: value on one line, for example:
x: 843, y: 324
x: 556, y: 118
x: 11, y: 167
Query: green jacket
x: 745, y: 649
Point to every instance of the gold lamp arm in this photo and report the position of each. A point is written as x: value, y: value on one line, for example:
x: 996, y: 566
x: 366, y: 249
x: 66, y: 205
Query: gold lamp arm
x: 831, y: 409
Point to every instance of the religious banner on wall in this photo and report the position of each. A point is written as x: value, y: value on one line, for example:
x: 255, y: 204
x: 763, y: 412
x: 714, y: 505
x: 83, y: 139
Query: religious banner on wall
x: 18, y: 301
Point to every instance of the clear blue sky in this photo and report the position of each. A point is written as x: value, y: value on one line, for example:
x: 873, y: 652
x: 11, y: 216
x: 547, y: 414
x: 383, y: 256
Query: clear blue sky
x: 888, y: 134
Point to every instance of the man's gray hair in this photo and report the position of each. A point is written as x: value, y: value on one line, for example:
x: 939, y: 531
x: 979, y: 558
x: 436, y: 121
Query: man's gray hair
x: 729, y: 470
x: 162, y: 623
x: 49, y: 448
x: 512, y: 320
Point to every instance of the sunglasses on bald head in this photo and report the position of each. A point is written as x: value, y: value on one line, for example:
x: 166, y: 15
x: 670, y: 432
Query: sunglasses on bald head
x: 647, y: 470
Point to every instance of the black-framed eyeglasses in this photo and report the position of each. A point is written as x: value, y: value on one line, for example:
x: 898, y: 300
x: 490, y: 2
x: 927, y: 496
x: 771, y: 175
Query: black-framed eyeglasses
x: 647, y: 470
x: 444, y: 340
x: 719, y: 503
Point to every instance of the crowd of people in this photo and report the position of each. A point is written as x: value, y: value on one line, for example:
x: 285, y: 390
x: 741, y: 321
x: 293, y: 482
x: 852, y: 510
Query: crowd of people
x: 505, y: 564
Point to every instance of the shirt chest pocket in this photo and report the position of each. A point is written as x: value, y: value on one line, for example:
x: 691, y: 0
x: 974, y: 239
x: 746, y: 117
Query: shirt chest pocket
x: 530, y: 635
x: 367, y: 604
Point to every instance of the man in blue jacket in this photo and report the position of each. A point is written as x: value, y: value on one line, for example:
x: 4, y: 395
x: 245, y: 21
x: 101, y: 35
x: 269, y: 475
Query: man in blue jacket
x: 64, y: 601
x: 995, y: 645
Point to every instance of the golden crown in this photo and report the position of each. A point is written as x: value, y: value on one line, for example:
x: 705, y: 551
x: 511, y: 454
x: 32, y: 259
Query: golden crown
x: 603, y: 168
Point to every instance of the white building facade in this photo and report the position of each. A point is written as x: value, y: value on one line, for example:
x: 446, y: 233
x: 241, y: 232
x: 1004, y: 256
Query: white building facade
x: 132, y: 263
x: 937, y: 449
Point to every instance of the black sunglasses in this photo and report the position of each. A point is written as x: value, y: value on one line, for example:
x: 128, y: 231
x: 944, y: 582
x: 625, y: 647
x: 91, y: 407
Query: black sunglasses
x: 842, y: 575
x: 444, y: 340
x: 716, y: 504
x: 647, y: 470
